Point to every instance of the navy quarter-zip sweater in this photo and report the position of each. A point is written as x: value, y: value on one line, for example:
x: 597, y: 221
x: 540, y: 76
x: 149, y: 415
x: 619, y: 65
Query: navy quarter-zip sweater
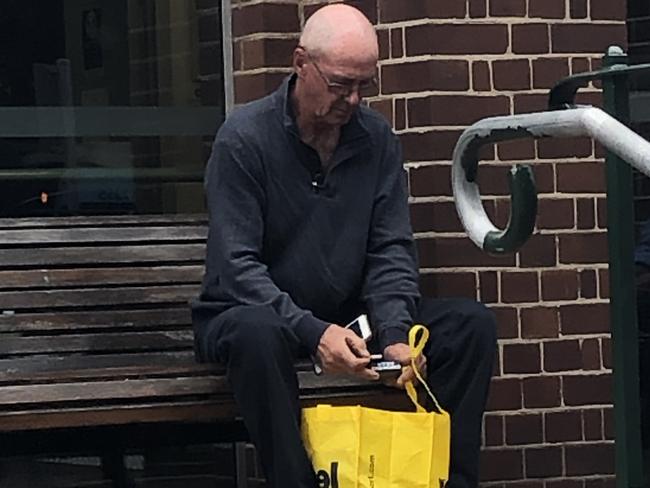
x: 317, y: 247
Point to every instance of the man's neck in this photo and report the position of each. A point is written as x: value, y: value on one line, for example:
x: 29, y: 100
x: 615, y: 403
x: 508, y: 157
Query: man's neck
x: 308, y: 124
x: 322, y: 137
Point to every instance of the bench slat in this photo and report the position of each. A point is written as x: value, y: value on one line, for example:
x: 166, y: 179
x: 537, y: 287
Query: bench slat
x: 104, y: 319
x: 127, y: 342
x: 89, y: 277
x: 141, y: 234
x: 150, y: 388
x: 44, y: 369
x: 41, y: 257
x: 195, y: 411
x: 39, y: 370
x: 104, y: 221
x: 111, y: 390
x: 97, y: 297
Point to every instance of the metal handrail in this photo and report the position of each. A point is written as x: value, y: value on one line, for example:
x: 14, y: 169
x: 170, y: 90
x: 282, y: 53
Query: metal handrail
x: 562, y: 95
x: 582, y: 121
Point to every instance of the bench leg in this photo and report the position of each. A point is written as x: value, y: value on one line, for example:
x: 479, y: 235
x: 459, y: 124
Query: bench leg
x: 241, y: 468
x: 114, y: 469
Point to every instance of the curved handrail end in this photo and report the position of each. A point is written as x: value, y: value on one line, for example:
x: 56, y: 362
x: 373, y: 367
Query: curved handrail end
x: 523, y: 213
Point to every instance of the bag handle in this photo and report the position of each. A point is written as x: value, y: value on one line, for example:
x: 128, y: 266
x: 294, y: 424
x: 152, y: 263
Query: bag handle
x: 417, y: 346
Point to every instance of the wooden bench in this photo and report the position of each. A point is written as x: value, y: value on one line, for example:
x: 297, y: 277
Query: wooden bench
x: 96, y: 346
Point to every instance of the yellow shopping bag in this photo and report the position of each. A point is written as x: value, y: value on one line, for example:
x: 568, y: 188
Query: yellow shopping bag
x: 359, y: 447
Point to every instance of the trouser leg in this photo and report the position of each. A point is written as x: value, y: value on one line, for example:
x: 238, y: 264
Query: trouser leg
x: 259, y: 350
x: 460, y: 355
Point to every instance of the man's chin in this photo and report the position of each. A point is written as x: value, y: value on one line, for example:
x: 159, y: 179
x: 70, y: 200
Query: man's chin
x: 341, y: 116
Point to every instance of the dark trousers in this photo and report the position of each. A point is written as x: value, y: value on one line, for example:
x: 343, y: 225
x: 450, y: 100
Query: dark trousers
x: 259, y: 350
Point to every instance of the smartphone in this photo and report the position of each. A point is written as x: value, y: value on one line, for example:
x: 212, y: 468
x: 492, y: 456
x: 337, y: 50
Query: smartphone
x: 361, y: 327
x: 385, y: 368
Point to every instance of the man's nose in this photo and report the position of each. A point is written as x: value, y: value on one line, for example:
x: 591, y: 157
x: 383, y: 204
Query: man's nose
x: 353, y: 97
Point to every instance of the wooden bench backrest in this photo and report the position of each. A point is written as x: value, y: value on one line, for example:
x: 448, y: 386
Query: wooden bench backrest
x: 95, y: 326
x: 96, y: 286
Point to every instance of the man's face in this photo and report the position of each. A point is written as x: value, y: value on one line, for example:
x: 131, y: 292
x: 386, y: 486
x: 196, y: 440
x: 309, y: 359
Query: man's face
x: 336, y: 88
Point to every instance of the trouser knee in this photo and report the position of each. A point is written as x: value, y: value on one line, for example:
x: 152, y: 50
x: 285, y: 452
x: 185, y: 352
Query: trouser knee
x: 258, y: 334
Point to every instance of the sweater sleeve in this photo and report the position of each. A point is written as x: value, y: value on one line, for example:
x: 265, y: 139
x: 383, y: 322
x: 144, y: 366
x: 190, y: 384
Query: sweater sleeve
x: 236, y: 202
x: 390, y: 287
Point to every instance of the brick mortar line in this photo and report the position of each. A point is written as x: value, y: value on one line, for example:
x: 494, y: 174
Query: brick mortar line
x: 550, y: 303
x: 531, y: 162
x: 518, y: 481
x: 555, y: 409
x: 429, y: 128
x: 554, y: 374
x: 547, y: 444
x: 533, y: 445
x: 494, y: 21
x: 544, y: 231
x: 551, y: 232
x: 561, y: 267
x: 409, y: 95
x: 505, y: 341
x: 447, y: 163
x: 542, y: 196
x: 572, y: 408
x: 412, y: 95
x: 564, y: 231
x: 505, y: 56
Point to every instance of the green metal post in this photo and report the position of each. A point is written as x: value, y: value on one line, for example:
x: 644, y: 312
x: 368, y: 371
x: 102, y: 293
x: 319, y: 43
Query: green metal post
x: 620, y: 210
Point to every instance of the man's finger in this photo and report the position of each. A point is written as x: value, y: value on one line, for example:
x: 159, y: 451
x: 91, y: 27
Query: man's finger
x: 368, y: 374
x: 355, y: 363
x: 406, y: 376
x: 357, y: 346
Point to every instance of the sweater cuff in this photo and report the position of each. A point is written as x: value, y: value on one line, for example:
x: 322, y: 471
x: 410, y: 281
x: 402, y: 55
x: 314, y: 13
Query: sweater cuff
x: 309, y: 330
x: 393, y: 335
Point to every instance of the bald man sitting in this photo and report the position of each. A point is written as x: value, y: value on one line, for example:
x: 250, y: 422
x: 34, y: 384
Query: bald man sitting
x: 309, y: 227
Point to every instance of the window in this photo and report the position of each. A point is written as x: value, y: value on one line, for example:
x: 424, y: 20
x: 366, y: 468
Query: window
x: 107, y: 106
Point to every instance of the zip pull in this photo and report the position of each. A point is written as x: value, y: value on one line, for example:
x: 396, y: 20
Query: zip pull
x: 317, y: 182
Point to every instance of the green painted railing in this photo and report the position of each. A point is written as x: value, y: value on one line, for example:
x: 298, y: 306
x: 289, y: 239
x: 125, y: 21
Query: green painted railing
x: 615, y: 76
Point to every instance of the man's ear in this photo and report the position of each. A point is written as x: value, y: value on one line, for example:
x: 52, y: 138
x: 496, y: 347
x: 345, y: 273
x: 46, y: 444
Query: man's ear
x: 299, y: 58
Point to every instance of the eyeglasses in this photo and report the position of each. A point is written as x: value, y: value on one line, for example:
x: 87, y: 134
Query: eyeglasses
x: 363, y: 87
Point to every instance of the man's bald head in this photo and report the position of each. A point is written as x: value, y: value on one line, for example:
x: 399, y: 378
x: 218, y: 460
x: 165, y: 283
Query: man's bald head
x: 340, y: 32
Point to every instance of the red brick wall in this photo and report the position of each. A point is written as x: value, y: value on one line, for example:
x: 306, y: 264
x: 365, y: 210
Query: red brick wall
x: 445, y: 64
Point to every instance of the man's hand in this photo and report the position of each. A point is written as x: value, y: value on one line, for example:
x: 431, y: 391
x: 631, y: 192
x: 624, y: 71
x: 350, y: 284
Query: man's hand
x: 401, y: 353
x: 342, y: 351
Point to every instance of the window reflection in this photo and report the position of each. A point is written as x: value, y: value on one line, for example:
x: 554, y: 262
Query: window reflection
x: 107, y: 106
